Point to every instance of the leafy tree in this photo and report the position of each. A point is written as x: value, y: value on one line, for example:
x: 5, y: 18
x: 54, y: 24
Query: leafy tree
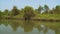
x: 15, y: 11
x: 57, y: 9
x: 28, y: 13
x: 52, y: 11
x: 40, y: 8
x: 0, y: 14
x: 22, y: 11
x: 6, y: 12
x: 36, y: 11
x: 46, y: 8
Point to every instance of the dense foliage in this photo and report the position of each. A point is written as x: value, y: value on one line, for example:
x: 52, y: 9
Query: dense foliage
x: 29, y: 12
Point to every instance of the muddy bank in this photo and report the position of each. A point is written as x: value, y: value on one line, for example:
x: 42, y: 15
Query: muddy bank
x: 51, y: 20
x: 34, y: 19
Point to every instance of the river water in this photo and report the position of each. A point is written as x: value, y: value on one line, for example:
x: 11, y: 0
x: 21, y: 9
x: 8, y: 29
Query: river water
x: 29, y: 27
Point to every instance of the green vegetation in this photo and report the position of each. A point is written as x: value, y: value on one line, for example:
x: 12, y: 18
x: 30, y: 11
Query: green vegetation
x: 29, y: 12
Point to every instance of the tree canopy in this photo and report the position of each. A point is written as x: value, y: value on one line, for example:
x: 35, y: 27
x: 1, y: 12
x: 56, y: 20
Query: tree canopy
x: 29, y: 12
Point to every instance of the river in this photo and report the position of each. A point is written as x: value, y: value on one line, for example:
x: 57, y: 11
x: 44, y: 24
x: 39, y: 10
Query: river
x: 28, y: 27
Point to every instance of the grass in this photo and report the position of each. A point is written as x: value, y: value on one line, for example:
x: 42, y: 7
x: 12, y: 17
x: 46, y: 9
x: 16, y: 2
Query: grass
x: 37, y: 16
x: 48, y: 16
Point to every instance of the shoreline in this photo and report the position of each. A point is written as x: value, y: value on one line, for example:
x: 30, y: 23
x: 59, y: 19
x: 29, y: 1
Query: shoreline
x: 34, y: 19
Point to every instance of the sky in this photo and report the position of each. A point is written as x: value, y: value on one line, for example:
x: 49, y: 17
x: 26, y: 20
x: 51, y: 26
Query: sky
x: 8, y: 4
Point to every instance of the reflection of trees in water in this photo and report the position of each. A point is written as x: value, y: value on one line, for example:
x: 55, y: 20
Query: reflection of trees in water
x: 28, y: 26
x: 39, y: 28
x: 56, y: 29
x: 4, y: 22
x: 15, y: 25
x: 0, y: 21
x: 42, y: 28
x: 45, y: 31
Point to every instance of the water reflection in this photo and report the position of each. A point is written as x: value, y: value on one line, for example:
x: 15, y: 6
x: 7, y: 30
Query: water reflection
x: 15, y: 25
x: 28, y: 27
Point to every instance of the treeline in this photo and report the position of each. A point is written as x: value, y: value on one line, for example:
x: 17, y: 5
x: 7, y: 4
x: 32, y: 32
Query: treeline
x: 29, y: 11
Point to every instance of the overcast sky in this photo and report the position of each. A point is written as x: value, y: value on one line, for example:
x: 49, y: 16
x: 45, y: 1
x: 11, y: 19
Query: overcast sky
x: 8, y: 4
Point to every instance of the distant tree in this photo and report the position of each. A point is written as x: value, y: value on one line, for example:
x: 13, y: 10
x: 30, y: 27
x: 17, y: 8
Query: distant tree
x: 15, y: 11
x: 51, y: 11
x: 36, y: 11
x: 28, y: 13
x: 46, y: 8
x: 22, y: 11
x: 57, y: 9
x: 6, y: 12
x: 0, y: 13
x: 40, y: 8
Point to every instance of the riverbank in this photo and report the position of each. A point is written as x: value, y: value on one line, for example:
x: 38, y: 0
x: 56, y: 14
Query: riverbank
x: 34, y: 19
x: 38, y: 17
